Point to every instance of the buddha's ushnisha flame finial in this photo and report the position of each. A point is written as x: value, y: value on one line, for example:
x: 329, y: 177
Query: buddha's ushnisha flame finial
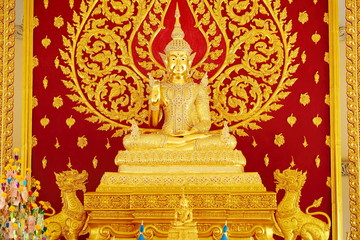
x: 178, y: 43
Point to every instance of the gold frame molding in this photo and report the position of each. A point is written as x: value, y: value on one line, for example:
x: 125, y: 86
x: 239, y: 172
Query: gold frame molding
x: 353, y: 97
x: 7, y: 55
x: 7, y: 51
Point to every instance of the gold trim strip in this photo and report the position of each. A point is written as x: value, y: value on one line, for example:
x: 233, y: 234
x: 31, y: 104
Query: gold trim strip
x: 352, y: 91
x: 335, y: 135
x: 7, y: 54
x: 27, y: 83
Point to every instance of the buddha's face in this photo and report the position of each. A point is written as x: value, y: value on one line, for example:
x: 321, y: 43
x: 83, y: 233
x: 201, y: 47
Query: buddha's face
x: 178, y: 62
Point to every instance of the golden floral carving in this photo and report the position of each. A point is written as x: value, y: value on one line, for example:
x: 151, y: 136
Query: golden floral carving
x: 317, y: 161
x: 107, y: 145
x: 45, y: 82
x: 34, y: 141
x: 303, y: 57
x: 95, y: 162
x: 44, y: 121
x: 279, y: 140
x: 304, y: 99
x: 56, y: 62
x: 326, y: 57
x: 326, y: 18
x: 315, y: 37
x: 315, y: 1
x: 264, y: 79
x: 327, y: 99
x: 46, y: 42
x: 35, y: 102
x: 58, y: 21
x: 35, y: 61
x: 317, y: 120
x: 71, y: 3
x: 46, y: 4
x: 317, y: 77
x: 327, y: 140
x: 266, y: 160
x: 291, y: 120
x: 303, y: 17
x: 44, y: 162
x: 305, y: 143
x: 58, y: 102
x: 70, y: 121
x: 35, y: 22
x: 328, y: 182
x: 254, y: 143
x: 82, y: 142
x: 57, y: 144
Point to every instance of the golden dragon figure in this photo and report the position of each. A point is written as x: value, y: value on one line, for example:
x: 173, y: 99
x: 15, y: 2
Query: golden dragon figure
x: 70, y: 221
x: 292, y: 221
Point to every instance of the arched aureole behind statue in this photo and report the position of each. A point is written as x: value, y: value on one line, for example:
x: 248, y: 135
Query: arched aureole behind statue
x: 250, y: 65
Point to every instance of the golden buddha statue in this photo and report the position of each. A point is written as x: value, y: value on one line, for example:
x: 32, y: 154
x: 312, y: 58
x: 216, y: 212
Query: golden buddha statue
x: 183, y: 214
x: 183, y: 103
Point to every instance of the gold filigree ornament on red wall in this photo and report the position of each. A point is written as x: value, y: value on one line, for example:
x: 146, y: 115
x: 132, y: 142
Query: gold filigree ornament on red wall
x: 249, y: 54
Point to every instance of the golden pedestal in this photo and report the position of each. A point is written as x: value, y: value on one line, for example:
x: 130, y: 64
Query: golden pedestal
x: 149, y: 185
x: 183, y: 233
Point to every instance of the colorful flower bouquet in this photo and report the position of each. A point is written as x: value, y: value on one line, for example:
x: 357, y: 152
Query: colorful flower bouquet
x: 20, y: 216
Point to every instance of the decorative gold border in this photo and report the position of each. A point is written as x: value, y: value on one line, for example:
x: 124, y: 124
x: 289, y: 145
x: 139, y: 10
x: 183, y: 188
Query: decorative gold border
x: 7, y: 54
x: 6, y: 64
x: 352, y: 72
x: 335, y: 135
x: 27, y: 76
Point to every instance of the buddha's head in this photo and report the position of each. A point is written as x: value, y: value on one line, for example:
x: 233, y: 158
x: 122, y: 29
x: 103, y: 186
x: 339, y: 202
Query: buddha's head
x: 178, y: 58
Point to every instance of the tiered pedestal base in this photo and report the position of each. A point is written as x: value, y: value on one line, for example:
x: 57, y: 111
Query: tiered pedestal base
x: 216, y: 187
x: 183, y: 233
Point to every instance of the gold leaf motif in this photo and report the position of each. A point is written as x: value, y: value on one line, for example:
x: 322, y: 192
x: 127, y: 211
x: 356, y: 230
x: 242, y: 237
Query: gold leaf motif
x: 292, y: 164
x: 58, y: 21
x: 71, y: 3
x: 317, y: 120
x: 44, y: 162
x: 58, y: 102
x: 107, y: 145
x: 57, y: 62
x: 317, y: 161
x: 327, y: 99
x: 254, y: 142
x: 35, y: 61
x: 70, y: 121
x: 326, y: 18
x: 34, y: 141
x: 303, y: 57
x: 95, y: 162
x: 315, y: 2
x: 46, y: 42
x: 45, y: 82
x: 305, y: 143
x: 303, y: 17
x: 328, y: 182
x: 316, y: 37
x: 35, y: 102
x: 82, y: 142
x: 279, y: 140
x: 326, y: 57
x: 69, y: 165
x: 266, y: 160
x: 304, y: 99
x: 57, y: 144
x: 291, y: 120
x: 327, y: 140
x: 317, y: 202
x: 35, y: 22
x: 46, y: 4
x: 44, y: 121
x: 317, y: 77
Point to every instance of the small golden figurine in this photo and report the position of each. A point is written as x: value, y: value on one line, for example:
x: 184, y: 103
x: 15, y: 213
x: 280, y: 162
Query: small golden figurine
x: 184, y: 104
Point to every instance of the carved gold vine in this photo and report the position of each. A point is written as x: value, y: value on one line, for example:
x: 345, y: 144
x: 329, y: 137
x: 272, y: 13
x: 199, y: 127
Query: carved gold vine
x: 110, y: 88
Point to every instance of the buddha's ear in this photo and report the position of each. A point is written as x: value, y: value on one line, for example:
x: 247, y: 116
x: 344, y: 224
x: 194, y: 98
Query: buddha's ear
x: 191, y: 58
x: 164, y: 58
